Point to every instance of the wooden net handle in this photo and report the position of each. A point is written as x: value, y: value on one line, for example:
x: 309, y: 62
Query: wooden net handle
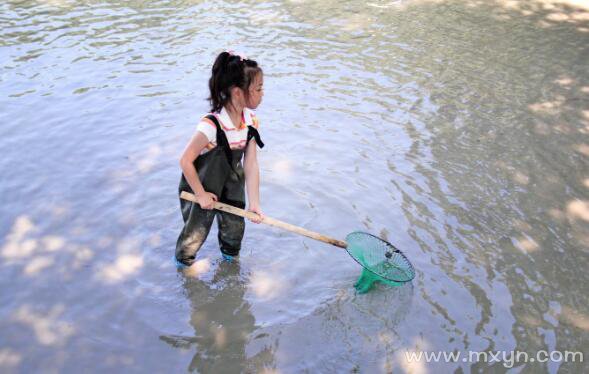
x: 269, y: 221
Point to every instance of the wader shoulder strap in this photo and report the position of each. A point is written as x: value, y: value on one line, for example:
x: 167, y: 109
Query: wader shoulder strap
x: 222, y: 139
x: 252, y: 132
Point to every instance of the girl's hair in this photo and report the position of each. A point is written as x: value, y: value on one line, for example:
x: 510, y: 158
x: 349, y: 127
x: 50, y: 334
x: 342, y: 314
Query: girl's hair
x: 230, y: 70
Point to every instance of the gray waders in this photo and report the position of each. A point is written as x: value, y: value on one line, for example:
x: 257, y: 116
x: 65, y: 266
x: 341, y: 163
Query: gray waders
x: 220, y: 171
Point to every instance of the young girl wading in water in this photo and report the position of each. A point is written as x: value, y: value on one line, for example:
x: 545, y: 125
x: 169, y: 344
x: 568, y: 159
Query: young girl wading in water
x: 212, y: 165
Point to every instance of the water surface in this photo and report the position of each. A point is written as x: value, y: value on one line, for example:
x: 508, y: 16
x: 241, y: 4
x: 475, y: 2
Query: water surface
x: 457, y: 130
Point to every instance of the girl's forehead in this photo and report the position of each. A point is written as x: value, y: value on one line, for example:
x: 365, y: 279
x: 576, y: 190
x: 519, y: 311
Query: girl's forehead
x: 258, y: 79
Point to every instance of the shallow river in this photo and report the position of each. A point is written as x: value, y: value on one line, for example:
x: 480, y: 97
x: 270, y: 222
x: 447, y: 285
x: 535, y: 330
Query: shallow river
x: 457, y: 130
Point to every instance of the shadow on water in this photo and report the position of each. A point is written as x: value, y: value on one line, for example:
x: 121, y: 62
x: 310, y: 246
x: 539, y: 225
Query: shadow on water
x: 350, y: 332
x: 509, y: 154
x: 494, y: 185
x: 223, y: 325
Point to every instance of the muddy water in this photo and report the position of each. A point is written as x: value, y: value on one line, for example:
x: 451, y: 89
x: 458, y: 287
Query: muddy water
x: 456, y: 130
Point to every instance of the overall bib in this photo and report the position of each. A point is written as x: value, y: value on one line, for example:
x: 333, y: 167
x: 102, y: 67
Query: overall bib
x: 221, y: 172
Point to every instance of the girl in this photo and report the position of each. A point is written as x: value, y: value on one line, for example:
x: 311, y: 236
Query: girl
x: 211, y: 163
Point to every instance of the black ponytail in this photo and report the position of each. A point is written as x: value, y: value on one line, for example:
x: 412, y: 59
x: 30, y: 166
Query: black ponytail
x: 230, y: 70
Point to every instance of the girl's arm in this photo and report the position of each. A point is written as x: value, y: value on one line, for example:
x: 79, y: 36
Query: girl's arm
x: 252, y: 179
x: 198, y: 142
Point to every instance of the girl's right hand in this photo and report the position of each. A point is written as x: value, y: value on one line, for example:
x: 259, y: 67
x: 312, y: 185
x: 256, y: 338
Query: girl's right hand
x: 206, y: 200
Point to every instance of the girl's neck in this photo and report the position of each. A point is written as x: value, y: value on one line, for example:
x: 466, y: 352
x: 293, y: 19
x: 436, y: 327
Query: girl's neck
x: 235, y: 114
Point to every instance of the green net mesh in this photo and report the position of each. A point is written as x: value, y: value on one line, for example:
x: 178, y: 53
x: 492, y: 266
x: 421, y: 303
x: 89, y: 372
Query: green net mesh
x: 367, y: 280
x: 382, y: 262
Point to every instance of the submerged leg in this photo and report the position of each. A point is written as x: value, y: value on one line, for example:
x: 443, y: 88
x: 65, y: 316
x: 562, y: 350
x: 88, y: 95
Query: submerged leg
x: 232, y: 227
x: 196, y: 229
x: 231, y: 230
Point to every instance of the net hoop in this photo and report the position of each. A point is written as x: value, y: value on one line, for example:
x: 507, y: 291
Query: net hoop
x: 403, y: 264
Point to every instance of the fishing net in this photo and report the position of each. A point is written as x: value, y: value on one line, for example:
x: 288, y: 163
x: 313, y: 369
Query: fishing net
x: 382, y: 262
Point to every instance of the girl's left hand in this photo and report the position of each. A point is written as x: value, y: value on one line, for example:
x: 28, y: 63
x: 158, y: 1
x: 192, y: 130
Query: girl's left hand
x: 256, y: 209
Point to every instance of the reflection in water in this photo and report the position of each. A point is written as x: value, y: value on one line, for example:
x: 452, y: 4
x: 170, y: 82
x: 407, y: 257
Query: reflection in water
x: 348, y: 333
x: 222, y: 323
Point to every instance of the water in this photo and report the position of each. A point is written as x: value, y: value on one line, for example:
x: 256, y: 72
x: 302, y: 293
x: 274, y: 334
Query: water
x: 457, y: 130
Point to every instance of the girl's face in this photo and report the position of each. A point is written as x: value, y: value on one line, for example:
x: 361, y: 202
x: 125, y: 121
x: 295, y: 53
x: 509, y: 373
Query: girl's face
x: 255, y: 92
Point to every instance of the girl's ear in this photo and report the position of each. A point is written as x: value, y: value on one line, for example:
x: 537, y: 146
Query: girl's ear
x: 237, y: 93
